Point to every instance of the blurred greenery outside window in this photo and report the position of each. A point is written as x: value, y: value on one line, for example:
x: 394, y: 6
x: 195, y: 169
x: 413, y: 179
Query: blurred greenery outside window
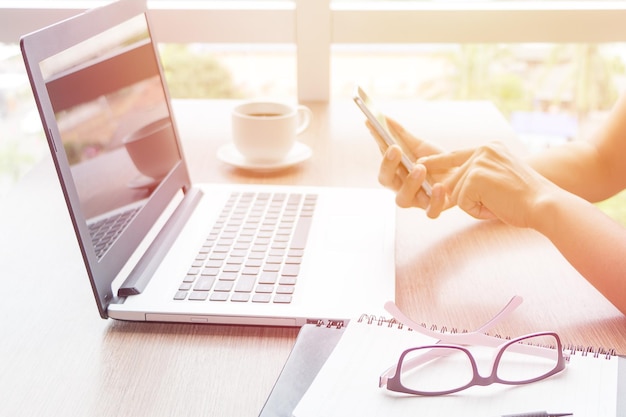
x: 551, y: 93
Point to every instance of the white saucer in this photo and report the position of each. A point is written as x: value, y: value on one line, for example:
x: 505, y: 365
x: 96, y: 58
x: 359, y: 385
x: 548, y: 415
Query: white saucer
x: 229, y: 154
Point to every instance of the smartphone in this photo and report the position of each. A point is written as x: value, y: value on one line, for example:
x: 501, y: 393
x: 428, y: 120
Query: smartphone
x: 378, y: 120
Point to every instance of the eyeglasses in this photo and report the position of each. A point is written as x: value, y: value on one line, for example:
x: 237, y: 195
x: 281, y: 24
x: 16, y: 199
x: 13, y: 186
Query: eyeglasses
x: 450, y: 365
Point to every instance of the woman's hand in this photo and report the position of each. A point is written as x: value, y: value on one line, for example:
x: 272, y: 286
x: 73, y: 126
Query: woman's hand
x: 408, y: 188
x: 489, y: 182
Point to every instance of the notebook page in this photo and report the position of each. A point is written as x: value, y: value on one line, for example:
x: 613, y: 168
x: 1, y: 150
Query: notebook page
x: 348, y: 384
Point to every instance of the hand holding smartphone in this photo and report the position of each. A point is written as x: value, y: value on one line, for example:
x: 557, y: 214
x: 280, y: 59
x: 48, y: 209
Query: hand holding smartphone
x: 379, y: 123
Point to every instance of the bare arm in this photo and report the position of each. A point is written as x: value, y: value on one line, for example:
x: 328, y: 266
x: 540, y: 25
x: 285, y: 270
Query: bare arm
x: 490, y: 182
x: 549, y: 194
x: 591, y: 241
x: 594, y: 169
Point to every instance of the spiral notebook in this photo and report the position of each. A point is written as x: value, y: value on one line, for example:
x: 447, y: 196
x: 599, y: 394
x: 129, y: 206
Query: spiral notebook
x: 351, y: 358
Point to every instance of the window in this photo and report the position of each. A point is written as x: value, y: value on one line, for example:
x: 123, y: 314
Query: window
x: 428, y: 49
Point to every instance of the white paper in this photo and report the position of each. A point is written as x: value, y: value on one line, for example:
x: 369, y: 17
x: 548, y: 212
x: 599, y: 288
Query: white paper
x: 347, y: 385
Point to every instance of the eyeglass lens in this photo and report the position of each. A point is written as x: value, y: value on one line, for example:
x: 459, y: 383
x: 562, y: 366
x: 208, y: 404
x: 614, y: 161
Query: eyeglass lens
x: 447, y: 369
x: 518, y: 367
x: 434, y: 370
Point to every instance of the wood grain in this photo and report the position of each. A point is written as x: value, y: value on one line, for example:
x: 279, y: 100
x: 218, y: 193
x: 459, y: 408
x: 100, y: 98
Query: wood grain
x: 57, y: 357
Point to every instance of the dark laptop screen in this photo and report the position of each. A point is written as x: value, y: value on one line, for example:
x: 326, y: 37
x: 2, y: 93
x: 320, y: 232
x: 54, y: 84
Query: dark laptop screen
x: 105, y: 109
x: 113, y: 117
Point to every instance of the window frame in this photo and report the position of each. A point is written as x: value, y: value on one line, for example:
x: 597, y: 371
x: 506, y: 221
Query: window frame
x: 314, y: 26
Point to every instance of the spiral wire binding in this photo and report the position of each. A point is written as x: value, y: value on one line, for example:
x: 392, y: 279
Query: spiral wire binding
x: 381, y: 320
x: 330, y: 323
x: 598, y: 352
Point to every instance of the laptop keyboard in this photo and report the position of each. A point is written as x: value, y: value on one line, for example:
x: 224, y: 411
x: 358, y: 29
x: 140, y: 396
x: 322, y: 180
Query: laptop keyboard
x: 104, y: 232
x: 254, y: 250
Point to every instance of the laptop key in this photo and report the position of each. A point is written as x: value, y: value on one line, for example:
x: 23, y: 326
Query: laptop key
x: 285, y: 289
x: 210, y: 271
x: 301, y: 233
x: 228, y: 276
x: 219, y: 296
x: 250, y: 270
x: 264, y: 289
x: 241, y: 297
x: 245, y: 283
x: 223, y: 286
x: 213, y: 263
x: 261, y: 298
x: 271, y: 267
x: 294, y: 260
x: 235, y: 260
x: 282, y: 298
x: 198, y: 295
x: 189, y: 278
x: 291, y: 270
x: 287, y: 280
x: 268, y: 278
x: 254, y: 263
x: 204, y: 283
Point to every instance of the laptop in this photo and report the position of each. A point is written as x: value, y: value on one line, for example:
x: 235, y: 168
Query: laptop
x: 157, y: 247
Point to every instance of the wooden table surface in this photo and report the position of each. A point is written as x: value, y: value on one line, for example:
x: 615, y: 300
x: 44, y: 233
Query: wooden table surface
x: 57, y: 357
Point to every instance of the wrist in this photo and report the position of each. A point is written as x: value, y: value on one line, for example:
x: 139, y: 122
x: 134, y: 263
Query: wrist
x: 550, y: 207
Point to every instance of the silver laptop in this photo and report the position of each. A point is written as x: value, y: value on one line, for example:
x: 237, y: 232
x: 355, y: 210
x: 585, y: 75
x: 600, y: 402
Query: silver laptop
x: 158, y: 248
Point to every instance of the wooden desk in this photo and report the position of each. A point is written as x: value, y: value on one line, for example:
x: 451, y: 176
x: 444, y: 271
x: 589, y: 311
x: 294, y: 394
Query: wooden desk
x: 57, y: 357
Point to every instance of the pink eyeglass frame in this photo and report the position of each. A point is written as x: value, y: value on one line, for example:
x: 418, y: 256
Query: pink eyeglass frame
x: 391, y: 377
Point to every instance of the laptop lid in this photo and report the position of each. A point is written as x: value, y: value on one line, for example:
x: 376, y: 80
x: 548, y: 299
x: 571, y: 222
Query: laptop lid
x: 106, y: 112
x: 111, y: 133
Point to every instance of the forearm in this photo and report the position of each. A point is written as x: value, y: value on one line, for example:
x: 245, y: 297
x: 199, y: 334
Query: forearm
x: 575, y: 167
x: 593, y: 169
x: 592, y: 242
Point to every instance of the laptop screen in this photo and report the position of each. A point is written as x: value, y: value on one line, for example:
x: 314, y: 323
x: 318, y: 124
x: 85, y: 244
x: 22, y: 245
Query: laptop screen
x: 112, y: 116
x: 113, y: 119
x: 105, y: 108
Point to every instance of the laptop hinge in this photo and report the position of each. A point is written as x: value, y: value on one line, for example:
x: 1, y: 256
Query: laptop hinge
x: 141, y: 274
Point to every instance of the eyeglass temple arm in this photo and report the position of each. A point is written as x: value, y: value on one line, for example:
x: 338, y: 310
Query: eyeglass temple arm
x: 393, y: 309
x: 468, y: 338
x: 513, y: 303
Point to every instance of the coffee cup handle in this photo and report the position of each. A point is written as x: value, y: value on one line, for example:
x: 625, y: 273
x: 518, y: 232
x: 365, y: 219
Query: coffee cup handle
x: 305, y: 115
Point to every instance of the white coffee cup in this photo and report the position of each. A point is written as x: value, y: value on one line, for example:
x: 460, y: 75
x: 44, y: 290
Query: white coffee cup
x: 265, y: 131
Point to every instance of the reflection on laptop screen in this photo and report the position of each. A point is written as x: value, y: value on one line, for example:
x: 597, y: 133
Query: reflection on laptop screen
x: 114, y: 122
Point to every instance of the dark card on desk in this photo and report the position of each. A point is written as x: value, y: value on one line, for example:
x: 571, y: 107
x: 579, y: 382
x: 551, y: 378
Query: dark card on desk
x: 311, y: 349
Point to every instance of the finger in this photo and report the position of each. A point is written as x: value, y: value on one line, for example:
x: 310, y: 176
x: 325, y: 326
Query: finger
x: 411, y: 193
x: 445, y: 161
x: 437, y: 201
x: 454, y: 183
x: 388, y: 173
x: 468, y: 199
